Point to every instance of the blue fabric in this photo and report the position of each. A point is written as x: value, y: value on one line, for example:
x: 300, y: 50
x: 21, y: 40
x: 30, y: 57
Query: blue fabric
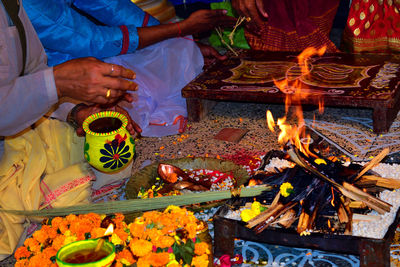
x: 78, y: 28
x: 181, y: 2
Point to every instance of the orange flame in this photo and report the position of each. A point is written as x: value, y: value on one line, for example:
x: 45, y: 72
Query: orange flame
x: 110, y: 230
x: 293, y: 88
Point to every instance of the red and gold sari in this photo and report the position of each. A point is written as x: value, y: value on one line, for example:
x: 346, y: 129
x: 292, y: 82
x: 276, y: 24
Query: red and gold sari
x: 294, y: 25
x: 373, y: 26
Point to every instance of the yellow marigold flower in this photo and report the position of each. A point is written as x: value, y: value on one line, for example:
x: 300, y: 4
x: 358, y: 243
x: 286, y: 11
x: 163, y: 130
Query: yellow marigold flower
x: 201, y: 248
x: 159, y: 259
x: 320, y: 161
x: 116, y: 240
x: 173, y: 263
x: 256, y: 207
x: 22, y: 252
x: 165, y: 241
x: 172, y: 208
x: 247, y: 215
x: 200, y: 261
x: 286, y: 189
x: 70, y: 239
x: 140, y: 247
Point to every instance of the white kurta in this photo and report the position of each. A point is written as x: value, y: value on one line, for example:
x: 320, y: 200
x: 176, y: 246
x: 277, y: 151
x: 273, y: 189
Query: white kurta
x: 23, y: 100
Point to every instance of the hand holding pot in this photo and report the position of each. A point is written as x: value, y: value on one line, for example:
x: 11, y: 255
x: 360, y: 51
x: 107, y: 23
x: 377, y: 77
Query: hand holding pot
x: 85, y: 111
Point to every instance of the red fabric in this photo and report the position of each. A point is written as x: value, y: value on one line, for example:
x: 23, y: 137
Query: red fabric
x: 145, y: 19
x: 294, y: 25
x: 373, y: 26
x: 125, y: 39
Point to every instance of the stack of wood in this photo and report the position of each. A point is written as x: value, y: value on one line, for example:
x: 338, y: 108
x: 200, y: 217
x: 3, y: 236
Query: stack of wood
x: 319, y: 185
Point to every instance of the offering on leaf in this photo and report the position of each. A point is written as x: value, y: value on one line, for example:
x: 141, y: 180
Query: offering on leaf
x: 173, y: 180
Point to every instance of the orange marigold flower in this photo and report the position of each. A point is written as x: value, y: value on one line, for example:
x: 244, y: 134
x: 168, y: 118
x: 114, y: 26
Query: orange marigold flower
x: 119, y: 217
x: 165, y: 241
x: 159, y: 259
x: 153, y: 234
x: 71, y: 218
x: 49, y: 252
x: 22, y: 263
x: 125, y: 257
x: 121, y: 234
x: 41, y: 235
x: 39, y: 260
x: 58, y: 242
x: 22, y: 252
x: 143, y: 262
x: 81, y: 227
x: 200, y: 261
x: 97, y: 232
x: 94, y: 217
x: 32, y: 244
x: 192, y: 229
x: 56, y: 222
x: 137, y: 229
x: 201, y: 248
x: 140, y: 247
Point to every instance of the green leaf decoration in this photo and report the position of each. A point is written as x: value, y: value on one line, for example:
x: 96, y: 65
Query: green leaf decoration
x: 239, y: 39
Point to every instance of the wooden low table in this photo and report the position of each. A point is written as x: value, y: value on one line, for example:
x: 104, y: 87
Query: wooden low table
x: 369, y: 81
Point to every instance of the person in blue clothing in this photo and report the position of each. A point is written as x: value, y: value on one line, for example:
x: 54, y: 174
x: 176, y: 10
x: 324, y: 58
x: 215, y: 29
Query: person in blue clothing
x: 119, y: 32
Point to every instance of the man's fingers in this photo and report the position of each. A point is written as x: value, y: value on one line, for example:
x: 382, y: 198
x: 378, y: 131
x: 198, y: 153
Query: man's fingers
x: 120, y: 84
x: 115, y: 70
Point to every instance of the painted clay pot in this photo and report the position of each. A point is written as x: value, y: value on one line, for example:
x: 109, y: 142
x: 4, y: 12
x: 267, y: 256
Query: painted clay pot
x: 108, y: 145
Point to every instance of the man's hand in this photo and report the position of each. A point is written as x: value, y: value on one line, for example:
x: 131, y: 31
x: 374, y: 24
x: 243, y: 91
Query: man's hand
x: 253, y: 9
x: 91, y: 80
x: 85, y: 112
x: 206, y: 20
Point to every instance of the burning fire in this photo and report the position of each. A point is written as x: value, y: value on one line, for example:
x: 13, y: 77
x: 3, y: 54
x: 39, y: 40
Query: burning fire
x: 294, y: 90
x: 109, y: 230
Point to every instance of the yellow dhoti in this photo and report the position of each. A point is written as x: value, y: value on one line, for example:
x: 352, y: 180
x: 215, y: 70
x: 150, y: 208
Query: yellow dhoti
x: 42, y: 167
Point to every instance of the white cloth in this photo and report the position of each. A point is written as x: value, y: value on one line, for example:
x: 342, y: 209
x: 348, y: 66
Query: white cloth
x: 23, y: 100
x: 162, y: 70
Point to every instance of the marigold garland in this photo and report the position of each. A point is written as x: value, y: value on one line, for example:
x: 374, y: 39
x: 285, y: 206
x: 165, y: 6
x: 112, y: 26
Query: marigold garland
x: 167, y: 238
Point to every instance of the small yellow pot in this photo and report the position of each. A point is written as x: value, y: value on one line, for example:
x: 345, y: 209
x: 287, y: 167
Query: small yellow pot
x: 71, y: 251
x: 108, y: 145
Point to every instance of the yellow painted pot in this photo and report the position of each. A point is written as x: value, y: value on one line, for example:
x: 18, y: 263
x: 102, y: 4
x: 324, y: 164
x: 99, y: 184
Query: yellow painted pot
x: 81, y: 253
x: 108, y: 145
